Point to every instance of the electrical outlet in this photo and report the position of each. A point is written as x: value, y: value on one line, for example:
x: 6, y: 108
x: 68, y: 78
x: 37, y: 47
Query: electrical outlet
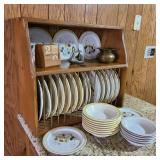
x: 137, y: 22
x: 149, y: 51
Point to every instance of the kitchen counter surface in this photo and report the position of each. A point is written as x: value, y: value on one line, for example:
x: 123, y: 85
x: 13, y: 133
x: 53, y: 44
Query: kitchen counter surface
x: 110, y: 146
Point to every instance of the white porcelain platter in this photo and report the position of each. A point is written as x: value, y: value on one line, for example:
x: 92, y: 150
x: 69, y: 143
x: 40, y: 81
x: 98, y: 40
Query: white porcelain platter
x: 91, y: 41
x: 39, y: 35
x: 65, y: 36
x: 64, y: 140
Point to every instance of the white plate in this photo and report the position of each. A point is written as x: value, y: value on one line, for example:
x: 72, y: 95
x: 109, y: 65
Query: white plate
x: 108, y: 86
x: 109, y: 73
x: 40, y: 100
x: 65, y: 36
x: 47, y: 96
x: 39, y: 35
x: 102, y: 85
x: 137, y: 139
x: 96, y: 86
x: 89, y: 86
x: 128, y: 112
x: 74, y: 92
x: 139, y: 126
x: 54, y: 95
x: 117, y: 84
x: 54, y: 145
x: 137, y: 143
x: 61, y: 94
x: 80, y: 90
x: 85, y: 88
x: 90, y: 38
x: 67, y: 90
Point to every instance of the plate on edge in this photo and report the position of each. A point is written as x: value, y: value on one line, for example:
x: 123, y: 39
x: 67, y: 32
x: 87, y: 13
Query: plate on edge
x: 54, y: 95
x: 64, y: 140
x: 80, y: 90
x: 89, y: 87
x: 47, y: 96
x: 61, y: 94
x: 74, y: 92
x: 67, y: 90
x: 109, y: 73
x: 85, y: 87
x: 40, y: 100
x: 102, y: 85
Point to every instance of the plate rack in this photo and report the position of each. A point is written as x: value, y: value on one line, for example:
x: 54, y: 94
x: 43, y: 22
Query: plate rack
x: 27, y: 73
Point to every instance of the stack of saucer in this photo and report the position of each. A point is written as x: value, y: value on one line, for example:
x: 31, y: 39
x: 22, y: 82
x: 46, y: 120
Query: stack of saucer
x: 138, y: 131
x: 101, y: 119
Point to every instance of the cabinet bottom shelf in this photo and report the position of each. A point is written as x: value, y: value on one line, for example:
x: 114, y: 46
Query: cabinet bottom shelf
x: 62, y: 120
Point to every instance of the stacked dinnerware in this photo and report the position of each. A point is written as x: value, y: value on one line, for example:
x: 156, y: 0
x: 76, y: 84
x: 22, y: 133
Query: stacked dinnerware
x: 138, y: 131
x: 101, y: 119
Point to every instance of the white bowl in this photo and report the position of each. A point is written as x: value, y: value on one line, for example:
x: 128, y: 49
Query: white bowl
x: 139, y: 126
x: 101, y: 112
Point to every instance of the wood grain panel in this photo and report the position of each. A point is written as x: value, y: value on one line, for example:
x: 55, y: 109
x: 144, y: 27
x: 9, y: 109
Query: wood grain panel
x: 145, y: 38
x: 91, y: 13
x: 34, y: 10
x: 56, y: 12
x: 122, y: 15
x: 13, y: 145
x: 107, y: 14
x: 150, y: 84
x: 131, y: 38
x: 75, y: 13
x: 11, y: 11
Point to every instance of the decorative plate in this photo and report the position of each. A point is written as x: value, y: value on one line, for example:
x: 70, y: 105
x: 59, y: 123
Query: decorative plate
x: 64, y: 140
x: 39, y: 35
x: 91, y: 42
x: 66, y: 36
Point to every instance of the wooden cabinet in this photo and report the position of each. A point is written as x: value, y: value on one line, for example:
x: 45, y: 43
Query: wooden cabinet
x: 27, y: 73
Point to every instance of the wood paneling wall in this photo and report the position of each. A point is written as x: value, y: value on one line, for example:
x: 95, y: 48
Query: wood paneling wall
x: 141, y: 75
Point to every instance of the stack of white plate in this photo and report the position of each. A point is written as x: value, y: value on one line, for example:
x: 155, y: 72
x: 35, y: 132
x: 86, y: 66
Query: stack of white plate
x: 101, y: 119
x: 138, y: 131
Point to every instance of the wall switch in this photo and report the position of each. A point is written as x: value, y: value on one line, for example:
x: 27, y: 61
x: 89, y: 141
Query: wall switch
x: 149, y: 51
x: 137, y: 22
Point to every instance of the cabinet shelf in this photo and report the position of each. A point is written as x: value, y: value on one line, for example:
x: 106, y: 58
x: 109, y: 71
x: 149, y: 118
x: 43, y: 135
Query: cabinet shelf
x: 87, y: 66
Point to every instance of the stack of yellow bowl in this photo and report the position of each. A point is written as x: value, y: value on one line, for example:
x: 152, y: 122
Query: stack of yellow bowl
x: 101, y: 119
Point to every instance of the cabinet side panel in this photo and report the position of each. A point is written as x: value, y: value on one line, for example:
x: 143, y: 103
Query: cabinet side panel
x: 13, y: 143
x: 27, y: 79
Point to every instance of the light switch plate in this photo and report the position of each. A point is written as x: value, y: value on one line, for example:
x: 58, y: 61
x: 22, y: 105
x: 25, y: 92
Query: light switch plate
x: 137, y: 22
x: 149, y: 51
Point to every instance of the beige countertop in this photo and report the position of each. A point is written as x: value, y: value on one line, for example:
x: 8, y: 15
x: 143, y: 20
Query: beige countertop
x: 111, y: 146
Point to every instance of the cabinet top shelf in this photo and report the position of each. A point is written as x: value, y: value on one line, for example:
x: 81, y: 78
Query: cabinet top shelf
x: 78, y: 68
x: 67, y: 24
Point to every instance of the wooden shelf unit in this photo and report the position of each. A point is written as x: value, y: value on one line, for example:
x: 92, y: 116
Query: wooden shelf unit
x: 27, y: 73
